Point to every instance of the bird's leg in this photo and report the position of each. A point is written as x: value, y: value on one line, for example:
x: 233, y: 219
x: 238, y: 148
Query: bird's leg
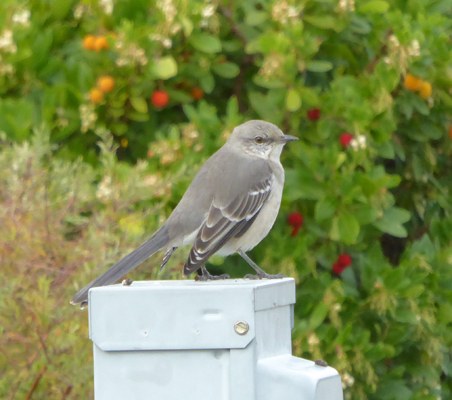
x: 260, y: 273
x: 206, y: 276
x: 168, y: 255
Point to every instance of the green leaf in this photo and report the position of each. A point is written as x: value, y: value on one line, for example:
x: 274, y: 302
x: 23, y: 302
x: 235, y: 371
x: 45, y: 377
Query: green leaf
x: 379, y: 351
x: 444, y: 314
x: 205, y: 42
x: 187, y: 25
x: 392, y: 220
x: 232, y: 108
x: 348, y: 228
x: 267, y: 106
x: 207, y: 83
x: 165, y: 67
x: 293, y: 100
x: 318, y: 315
x: 334, y: 231
x: 375, y: 7
x: 325, y: 209
x: 226, y: 70
x: 365, y: 214
x: 137, y: 116
x: 406, y: 317
x: 269, y: 83
x: 392, y: 390
x: 254, y: 18
x: 319, y: 66
x: 414, y: 291
x: 324, y: 22
x: 139, y: 104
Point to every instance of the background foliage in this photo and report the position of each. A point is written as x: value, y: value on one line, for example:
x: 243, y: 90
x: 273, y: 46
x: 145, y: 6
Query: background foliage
x: 88, y: 171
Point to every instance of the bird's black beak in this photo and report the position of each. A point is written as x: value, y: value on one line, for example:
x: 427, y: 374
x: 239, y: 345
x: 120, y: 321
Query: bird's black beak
x: 286, y: 138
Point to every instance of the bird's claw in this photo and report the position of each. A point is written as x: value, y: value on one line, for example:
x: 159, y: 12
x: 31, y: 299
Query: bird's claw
x: 209, y: 277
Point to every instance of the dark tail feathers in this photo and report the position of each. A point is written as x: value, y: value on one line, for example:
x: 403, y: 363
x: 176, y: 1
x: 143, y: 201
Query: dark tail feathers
x: 129, y: 262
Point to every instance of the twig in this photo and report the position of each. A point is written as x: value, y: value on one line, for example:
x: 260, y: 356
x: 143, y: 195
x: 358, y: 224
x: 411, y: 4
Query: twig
x: 35, y: 383
x: 67, y: 392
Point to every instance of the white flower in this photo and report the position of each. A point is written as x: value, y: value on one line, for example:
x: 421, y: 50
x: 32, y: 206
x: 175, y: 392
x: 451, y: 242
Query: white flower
x: 168, y: 8
x: 355, y: 145
x: 167, y: 43
x: 313, y: 340
x: 347, y: 381
x: 414, y: 49
x: 394, y: 41
x: 208, y: 11
x: 104, y: 190
x: 282, y: 12
x: 107, y: 6
x: 88, y: 116
x: 175, y: 28
x: 79, y: 10
x: 5, y: 68
x: 22, y: 18
x: 337, y: 307
x: 6, y: 42
x: 292, y: 12
x: 121, y: 62
x: 362, y: 141
x: 150, y: 180
x: 347, y: 5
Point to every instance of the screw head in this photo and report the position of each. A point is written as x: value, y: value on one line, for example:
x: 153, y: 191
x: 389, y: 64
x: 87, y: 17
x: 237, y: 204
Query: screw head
x: 241, y: 327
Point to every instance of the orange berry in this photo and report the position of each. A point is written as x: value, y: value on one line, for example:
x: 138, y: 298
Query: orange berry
x: 88, y: 42
x: 450, y: 131
x: 106, y: 84
x: 197, y: 93
x: 100, y: 43
x: 96, y: 96
x: 160, y: 98
x: 426, y: 90
x: 412, y: 83
x: 124, y: 142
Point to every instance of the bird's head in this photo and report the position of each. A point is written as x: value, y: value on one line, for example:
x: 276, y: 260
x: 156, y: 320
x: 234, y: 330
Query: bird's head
x: 260, y: 139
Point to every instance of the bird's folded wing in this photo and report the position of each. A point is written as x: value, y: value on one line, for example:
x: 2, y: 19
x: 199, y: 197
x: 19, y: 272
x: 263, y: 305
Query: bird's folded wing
x: 225, y: 222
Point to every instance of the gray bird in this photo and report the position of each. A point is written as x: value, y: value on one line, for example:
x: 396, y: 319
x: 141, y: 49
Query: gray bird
x: 230, y: 206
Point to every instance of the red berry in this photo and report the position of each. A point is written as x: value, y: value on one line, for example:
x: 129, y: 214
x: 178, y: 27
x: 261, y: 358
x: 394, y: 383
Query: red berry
x: 338, y: 269
x: 345, y: 139
x: 197, y: 93
x: 160, y: 98
x: 314, y: 114
x: 344, y: 260
x: 295, y: 220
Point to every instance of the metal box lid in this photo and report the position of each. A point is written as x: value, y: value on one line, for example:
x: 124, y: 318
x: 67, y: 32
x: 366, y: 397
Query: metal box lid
x: 181, y: 315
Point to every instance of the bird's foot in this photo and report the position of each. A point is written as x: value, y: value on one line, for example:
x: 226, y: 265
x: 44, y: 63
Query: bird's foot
x: 264, y: 275
x: 202, y: 278
x: 207, y: 276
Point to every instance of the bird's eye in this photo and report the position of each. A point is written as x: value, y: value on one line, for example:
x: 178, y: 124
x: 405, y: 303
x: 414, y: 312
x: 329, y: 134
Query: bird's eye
x: 259, y: 140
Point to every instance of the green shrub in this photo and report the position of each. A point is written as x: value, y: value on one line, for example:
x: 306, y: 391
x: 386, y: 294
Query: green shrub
x: 366, y: 87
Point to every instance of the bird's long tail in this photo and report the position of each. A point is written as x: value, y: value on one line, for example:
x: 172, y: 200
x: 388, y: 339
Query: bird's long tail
x: 129, y: 262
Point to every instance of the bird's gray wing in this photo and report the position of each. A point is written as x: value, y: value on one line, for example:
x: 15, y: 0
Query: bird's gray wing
x: 226, y: 221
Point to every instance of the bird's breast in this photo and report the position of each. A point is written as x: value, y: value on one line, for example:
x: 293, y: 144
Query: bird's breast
x: 263, y: 222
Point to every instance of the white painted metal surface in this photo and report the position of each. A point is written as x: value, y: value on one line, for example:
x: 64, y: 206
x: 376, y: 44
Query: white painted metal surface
x: 187, y: 340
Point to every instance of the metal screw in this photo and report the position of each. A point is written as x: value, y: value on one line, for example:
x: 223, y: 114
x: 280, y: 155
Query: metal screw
x: 241, y: 327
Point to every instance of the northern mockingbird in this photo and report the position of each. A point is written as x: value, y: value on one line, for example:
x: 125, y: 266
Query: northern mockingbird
x: 230, y: 206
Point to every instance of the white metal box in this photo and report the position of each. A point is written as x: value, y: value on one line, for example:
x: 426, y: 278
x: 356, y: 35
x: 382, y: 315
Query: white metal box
x: 187, y: 340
